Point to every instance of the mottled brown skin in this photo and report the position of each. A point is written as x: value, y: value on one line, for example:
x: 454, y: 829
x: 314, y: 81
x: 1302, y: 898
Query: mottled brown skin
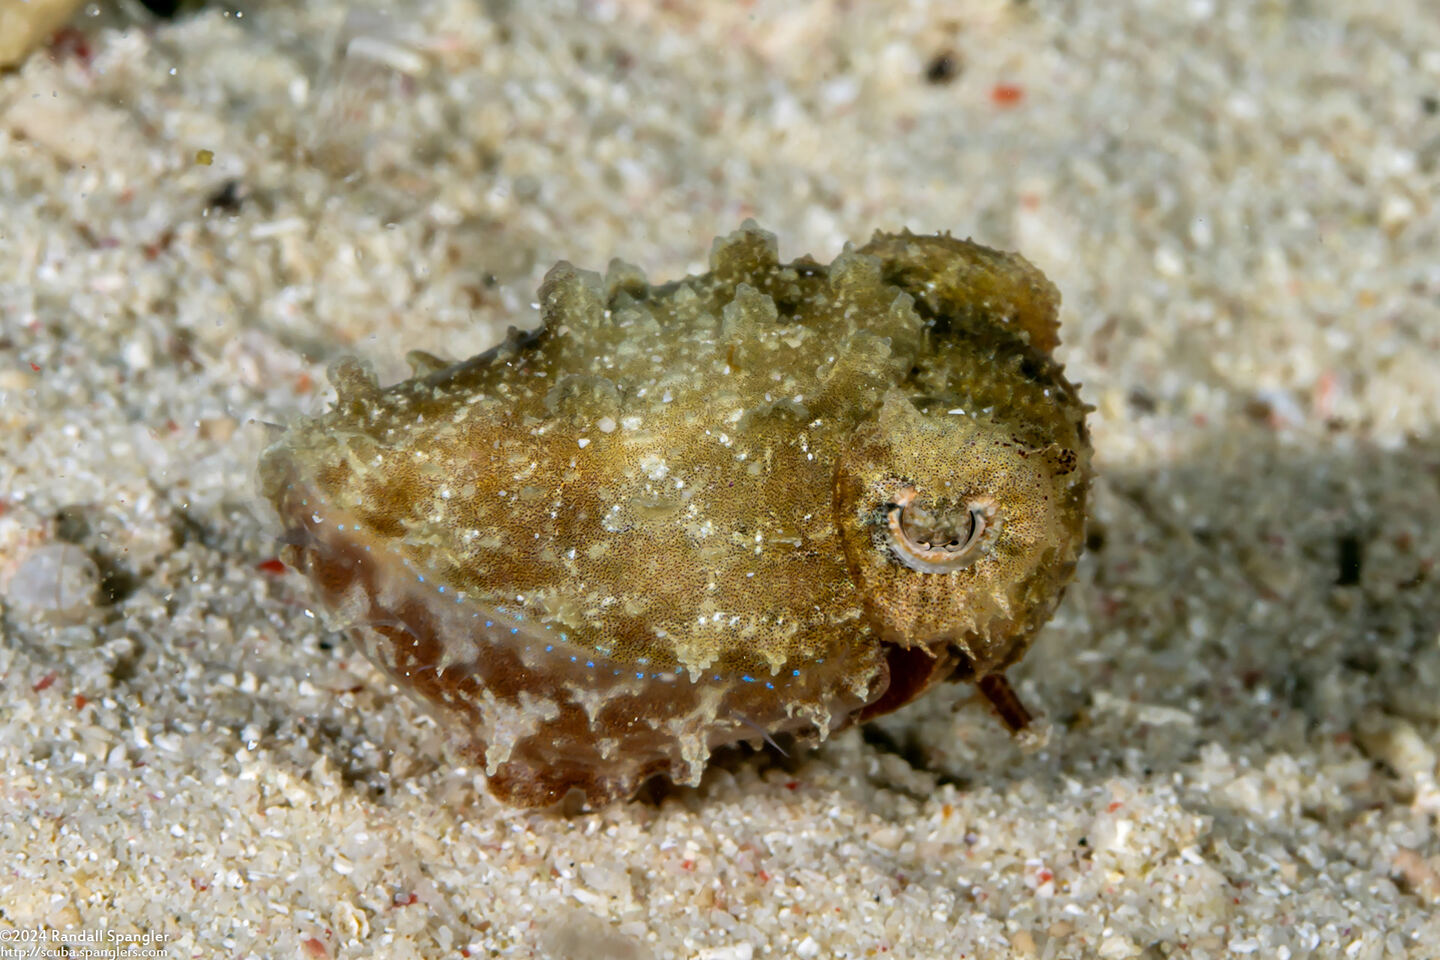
x: 772, y: 498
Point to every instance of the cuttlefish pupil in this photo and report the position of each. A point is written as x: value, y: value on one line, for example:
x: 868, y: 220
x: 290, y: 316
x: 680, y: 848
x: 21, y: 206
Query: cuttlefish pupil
x: 928, y: 542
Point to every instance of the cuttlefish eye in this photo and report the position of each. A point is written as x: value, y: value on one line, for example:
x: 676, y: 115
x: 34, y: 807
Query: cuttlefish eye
x: 931, y: 541
x: 958, y: 532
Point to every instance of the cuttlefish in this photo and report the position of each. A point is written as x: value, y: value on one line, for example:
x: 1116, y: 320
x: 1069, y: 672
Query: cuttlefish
x: 771, y: 498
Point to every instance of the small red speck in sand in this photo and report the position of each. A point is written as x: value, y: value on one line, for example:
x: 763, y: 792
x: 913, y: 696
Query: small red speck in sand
x: 1115, y: 805
x: 1006, y: 94
x: 71, y: 42
x: 35, y: 367
x: 80, y: 701
x: 274, y: 566
x: 45, y: 682
x: 315, y: 948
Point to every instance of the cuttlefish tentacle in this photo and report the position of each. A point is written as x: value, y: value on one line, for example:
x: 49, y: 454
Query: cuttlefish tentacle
x: 996, y: 689
x: 923, y: 555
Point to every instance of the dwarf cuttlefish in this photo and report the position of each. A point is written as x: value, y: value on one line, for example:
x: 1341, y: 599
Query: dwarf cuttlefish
x: 771, y: 498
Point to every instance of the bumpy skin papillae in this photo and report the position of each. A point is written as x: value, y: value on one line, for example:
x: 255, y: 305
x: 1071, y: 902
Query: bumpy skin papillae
x: 662, y: 523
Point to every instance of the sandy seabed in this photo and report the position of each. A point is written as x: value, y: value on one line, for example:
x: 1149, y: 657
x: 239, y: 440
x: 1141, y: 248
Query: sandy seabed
x: 1241, y: 690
